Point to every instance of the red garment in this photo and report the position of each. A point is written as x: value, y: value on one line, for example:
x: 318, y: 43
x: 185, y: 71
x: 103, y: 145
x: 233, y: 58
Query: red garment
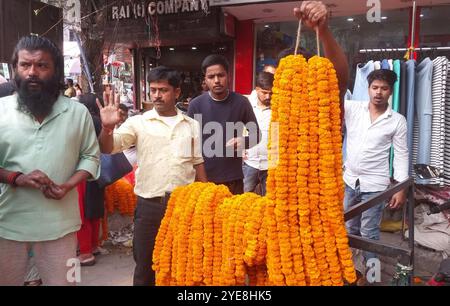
x: 88, y: 233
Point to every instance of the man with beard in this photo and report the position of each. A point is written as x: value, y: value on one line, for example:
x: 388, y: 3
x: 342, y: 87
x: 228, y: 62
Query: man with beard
x: 255, y: 161
x: 47, y: 147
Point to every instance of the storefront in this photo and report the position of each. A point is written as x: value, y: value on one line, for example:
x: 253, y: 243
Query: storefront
x: 178, y: 34
x: 357, y: 25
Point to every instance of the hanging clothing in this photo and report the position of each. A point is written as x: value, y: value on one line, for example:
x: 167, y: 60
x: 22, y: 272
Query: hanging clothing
x: 403, y: 88
x: 395, y: 107
x: 447, y: 129
x: 424, y: 74
x: 396, y: 93
x: 438, y: 85
x: 391, y: 64
x: 385, y: 64
x: 377, y: 65
x: 410, y: 84
x: 360, y: 90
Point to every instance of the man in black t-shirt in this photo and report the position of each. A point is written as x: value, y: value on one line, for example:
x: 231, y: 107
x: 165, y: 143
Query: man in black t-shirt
x: 223, y: 116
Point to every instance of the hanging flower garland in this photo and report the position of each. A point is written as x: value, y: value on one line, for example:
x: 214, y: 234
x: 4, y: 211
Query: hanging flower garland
x: 296, y: 234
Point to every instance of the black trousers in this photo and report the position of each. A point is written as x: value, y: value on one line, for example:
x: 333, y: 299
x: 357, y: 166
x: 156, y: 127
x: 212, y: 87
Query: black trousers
x: 236, y: 187
x: 147, y: 219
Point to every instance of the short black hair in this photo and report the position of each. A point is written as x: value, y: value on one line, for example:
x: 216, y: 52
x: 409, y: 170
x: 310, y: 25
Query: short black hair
x: 165, y: 73
x: 291, y: 50
x: 70, y: 82
x: 34, y: 43
x: 215, y: 59
x: 123, y: 107
x: 383, y: 75
x: 264, y: 80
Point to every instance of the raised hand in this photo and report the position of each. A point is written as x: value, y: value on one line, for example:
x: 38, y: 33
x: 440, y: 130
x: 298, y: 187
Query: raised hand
x: 109, y: 114
x: 313, y: 14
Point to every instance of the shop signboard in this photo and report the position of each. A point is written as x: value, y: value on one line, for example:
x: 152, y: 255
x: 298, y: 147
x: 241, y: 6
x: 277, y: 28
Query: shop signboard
x: 233, y: 2
x: 142, y: 9
x: 163, y: 22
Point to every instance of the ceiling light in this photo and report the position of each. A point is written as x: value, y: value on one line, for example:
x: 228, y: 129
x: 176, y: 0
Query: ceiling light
x: 384, y: 17
x: 194, y: 48
x: 422, y: 15
x: 267, y: 26
x: 172, y: 49
x: 350, y: 19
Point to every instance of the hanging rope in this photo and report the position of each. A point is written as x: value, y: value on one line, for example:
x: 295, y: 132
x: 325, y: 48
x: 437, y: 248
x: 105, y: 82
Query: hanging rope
x: 299, y: 29
x: 318, y: 41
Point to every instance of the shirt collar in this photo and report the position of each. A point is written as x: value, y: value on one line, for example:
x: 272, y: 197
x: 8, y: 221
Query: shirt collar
x: 61, y: 105
x: 153, y: 115
x: 386, y: 114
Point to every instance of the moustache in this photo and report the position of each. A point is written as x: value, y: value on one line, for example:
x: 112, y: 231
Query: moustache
x: 27, y: 82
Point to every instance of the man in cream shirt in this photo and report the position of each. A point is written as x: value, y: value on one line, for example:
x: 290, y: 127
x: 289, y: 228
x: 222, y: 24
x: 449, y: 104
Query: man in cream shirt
x: 169, y: 155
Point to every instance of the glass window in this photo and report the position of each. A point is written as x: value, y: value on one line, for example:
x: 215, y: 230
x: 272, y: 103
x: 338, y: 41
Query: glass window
x: 352, y: 32
x: 434, y: 30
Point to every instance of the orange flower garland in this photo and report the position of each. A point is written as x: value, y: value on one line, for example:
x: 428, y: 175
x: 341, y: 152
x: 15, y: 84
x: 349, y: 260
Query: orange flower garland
x: 120, y: 196
x: 296, y: 234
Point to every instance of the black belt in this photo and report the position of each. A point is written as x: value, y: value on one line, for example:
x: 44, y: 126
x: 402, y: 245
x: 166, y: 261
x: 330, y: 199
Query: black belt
x: 161, y: 200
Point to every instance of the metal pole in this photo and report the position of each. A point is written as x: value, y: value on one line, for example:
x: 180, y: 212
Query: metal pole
x: 411, y: 230
x: 413, y: 31
x: 85, y: 63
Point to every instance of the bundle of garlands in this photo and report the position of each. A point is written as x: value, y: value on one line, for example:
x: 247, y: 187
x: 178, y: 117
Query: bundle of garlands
x: 296, y: 234
x: 120, y: 196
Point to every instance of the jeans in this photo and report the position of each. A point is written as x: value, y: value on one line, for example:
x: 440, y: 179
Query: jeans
x: 147, y: 219
x: 236, y: 187
x: 366, y: 225
x: 252, y: 177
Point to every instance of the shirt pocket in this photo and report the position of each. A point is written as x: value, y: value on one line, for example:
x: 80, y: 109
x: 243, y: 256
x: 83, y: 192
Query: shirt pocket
x: 182, y: 147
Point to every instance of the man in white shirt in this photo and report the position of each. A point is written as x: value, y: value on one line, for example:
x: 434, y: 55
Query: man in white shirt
x: 372, y: 128
x: 255, y: 162
x: 252, y: 97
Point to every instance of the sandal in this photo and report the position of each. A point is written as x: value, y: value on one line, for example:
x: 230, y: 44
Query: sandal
x: 33, y: 283
x: 88, y: 261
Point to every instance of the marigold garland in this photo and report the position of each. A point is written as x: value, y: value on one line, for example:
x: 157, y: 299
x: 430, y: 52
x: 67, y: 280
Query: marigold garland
x: 296, y: 234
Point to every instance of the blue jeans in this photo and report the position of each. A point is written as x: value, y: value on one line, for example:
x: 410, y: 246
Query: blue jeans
x: 252, y: 177
x: 366, y: 225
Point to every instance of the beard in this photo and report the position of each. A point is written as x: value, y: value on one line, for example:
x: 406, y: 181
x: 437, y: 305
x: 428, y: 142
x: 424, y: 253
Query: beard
x: 37, y: 102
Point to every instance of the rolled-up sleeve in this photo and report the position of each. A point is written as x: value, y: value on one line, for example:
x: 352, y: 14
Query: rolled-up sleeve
x: 90, y: 150
x: 401, y: 156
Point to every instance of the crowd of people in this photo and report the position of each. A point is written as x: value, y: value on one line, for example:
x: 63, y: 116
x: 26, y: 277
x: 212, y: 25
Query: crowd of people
x: 51, y: 205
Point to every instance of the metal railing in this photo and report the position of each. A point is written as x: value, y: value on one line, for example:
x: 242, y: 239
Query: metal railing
x: 404, y: 256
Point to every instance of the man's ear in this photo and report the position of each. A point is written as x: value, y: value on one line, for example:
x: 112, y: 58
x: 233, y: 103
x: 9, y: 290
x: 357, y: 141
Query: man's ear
x: 177, y: 92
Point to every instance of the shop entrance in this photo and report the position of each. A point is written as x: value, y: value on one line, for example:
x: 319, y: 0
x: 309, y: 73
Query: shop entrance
x: 187, y: 60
